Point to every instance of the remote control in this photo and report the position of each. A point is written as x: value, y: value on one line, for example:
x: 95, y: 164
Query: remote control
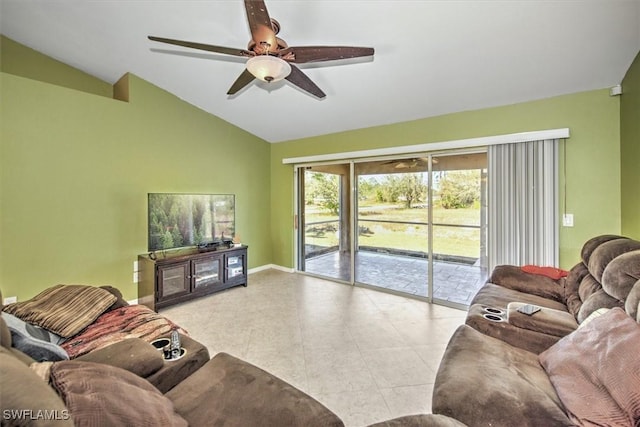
x: 175, y: 344
x: 529, y: 309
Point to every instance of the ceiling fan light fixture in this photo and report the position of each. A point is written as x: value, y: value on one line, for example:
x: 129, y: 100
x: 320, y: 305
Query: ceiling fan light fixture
x: 268, y: 68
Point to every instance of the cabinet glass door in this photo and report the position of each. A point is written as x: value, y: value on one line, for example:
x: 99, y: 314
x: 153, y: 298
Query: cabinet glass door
x: 206, y: 273
x: 173, y: 280
x: 235, y: 265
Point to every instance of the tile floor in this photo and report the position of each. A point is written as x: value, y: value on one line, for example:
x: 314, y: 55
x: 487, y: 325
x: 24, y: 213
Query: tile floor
x: 452, y: 282
x: 366, y: 355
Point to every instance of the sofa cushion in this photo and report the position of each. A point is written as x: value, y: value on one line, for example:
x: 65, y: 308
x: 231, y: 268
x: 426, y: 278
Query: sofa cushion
x: 588, y: 288
x: 228, y: 391
x: 632, y: 304
x: 594, y: 371
x: 24, y: 396
x: 607, y: 252
x: 621, y: 274
x: 593, y: 243
x: 484, y: 381
x: 599, y: 299
x: 98, y: 394
x: 63, y: 309
x: 38, y: 343
x: 572, y: 288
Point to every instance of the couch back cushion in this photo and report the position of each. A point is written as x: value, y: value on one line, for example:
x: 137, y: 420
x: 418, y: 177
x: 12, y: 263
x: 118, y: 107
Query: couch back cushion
x: 607, y: 252
x: 621, y: 274
x: 602, y: 280
x: 632, y: 304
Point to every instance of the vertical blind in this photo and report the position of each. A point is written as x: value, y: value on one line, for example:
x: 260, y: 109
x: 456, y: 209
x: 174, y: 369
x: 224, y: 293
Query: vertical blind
x: 523, y: 203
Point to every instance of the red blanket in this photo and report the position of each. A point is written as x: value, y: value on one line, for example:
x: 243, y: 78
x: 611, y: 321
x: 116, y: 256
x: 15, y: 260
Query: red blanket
x: 552, y: 272
x: 132, y: 321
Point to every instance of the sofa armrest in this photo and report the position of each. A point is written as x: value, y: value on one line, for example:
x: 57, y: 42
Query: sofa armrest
x: 231, y: 392
x: 173, y: 372
x: 547, y: 320
x: 483, y: 381
x: 512, y: 277
x: 133, y: 354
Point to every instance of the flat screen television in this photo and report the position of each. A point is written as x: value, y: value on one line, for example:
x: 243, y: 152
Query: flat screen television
x: 181, y: 220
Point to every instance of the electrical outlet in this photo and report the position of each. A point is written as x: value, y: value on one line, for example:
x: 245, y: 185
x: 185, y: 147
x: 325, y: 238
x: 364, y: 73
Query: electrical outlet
x: 567, y: 220
x: 136, y: 267
x: 136, y: 277
x: 10, y: 300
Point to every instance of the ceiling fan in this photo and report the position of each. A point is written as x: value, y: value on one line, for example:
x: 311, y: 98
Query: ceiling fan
x: 270, y: 58
x: 415, y: 162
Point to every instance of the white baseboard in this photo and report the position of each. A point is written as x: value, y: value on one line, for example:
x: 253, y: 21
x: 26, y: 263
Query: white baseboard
x: 270, y: 266
x: 133, y: 301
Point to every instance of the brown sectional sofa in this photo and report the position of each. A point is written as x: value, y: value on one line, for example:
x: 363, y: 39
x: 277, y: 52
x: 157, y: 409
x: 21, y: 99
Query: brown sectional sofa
x: 128, y: 382
x: 505, y: 368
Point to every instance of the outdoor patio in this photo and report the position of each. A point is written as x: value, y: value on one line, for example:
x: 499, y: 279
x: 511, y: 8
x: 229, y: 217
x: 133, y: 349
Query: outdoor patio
x: 452, y: 282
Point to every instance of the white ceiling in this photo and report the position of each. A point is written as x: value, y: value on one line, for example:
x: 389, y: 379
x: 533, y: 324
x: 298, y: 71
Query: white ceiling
x: 432, y: 57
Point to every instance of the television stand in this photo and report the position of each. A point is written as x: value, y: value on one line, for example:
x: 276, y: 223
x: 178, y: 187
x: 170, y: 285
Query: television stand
x: 175, y: 278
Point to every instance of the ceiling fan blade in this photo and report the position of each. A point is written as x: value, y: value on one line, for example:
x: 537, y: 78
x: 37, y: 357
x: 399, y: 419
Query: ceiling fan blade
x: 302, y: 54
x: 202, y: 46
x: 260, y: 26
x: 243, y: 79
x: 301, y: 80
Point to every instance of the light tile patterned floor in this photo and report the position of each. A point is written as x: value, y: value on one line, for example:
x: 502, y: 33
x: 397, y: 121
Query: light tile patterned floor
x: 366, y: 355
x: 452, y: 282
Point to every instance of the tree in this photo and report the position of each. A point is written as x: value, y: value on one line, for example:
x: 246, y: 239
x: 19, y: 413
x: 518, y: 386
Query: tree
x: 176, y: 236
x: 167, y: 240
x: 459, y: 189
x: 412, y: 188
x: 408, y: 187
x: 325, y: 190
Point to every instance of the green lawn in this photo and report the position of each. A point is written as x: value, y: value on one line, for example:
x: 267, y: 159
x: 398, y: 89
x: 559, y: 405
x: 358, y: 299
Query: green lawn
x: 447, y: 240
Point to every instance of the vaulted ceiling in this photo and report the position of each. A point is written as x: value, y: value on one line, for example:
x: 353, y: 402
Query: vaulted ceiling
x: 432, y: 57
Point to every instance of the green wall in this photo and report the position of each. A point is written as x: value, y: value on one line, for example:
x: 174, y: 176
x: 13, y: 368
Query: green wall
x: 593, y: 159
x: 76, y: 168
x: 76, y: 165
x: 630, y: 150
x: 19, y: 60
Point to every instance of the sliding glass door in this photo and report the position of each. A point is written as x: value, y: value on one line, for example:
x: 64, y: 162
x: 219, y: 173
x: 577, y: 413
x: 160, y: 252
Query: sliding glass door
x: 324, y: 212
x: 392, y: 223
x: 458, y: 219
x: 414, y: 225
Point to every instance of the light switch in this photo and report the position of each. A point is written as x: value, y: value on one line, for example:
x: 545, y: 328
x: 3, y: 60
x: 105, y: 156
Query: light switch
x: 567, y: 220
